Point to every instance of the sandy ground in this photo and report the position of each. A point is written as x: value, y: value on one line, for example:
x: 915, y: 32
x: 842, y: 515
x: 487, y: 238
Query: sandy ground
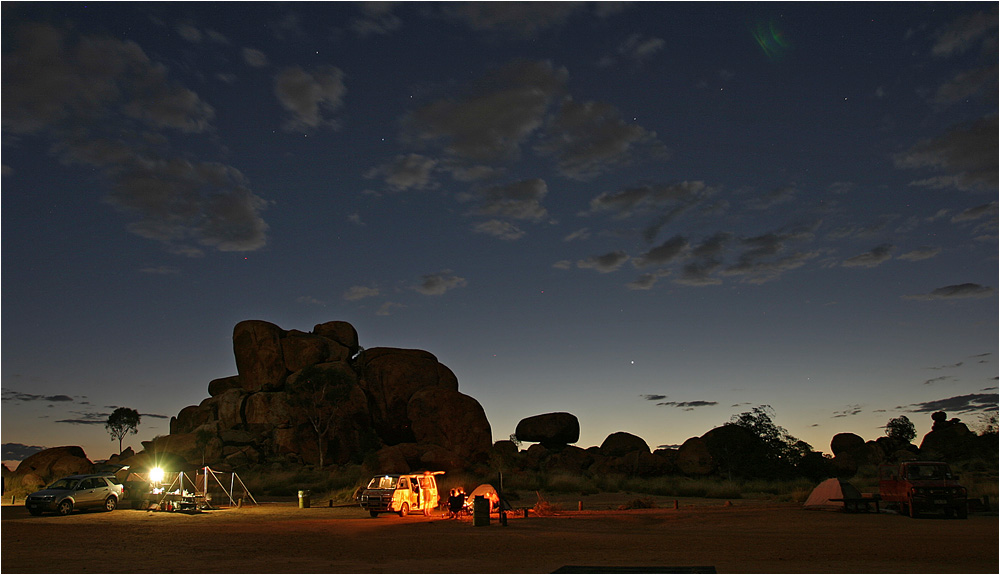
x: 746, y: 537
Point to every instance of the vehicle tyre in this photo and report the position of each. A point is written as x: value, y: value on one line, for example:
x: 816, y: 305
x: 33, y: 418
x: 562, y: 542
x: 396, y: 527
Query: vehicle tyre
x: 404, y: 510
x: 35, y: 512
x: 65, y: 507
x: 373, y: 513
x: 110, y: 504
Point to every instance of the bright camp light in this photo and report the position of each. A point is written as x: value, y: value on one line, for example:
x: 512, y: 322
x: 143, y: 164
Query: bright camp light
x: 155, y: 475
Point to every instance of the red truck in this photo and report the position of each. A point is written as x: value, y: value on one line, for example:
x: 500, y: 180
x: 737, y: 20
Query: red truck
x: 919, y: 487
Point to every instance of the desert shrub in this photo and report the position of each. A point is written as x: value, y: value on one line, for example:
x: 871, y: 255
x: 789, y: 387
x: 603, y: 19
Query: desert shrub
x: 563, y: 483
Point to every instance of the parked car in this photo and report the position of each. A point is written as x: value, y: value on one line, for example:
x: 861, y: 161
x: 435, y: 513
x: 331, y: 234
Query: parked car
x: 100, y: 491
x: 919, y: 487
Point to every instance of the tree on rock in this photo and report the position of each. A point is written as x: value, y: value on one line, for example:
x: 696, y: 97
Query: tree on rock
x: 121, y: 422
x: 901, y: 428
x: 317, y: 392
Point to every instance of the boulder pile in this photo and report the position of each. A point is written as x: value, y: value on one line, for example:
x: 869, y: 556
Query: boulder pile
x: 403, y: 410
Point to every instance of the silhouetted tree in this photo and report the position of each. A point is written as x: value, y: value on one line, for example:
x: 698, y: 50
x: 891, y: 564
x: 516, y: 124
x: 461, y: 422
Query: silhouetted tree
x: 316, y: 393
x: 901, y: 428
x: 121, y: 422
x: 778, y: 452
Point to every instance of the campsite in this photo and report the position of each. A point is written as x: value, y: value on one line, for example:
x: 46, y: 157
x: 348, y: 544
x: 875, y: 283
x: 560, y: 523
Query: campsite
x: 701, y: 535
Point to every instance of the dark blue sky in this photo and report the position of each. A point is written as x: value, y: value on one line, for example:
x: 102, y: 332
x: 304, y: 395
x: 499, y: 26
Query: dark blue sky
x: 652, y: 215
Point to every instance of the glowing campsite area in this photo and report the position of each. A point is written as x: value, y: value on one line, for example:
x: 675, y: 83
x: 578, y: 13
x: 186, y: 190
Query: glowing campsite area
x: 700, y: 535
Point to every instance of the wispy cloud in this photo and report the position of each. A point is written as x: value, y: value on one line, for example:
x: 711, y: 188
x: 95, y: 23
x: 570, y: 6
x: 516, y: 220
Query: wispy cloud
x: 958, y: 403
x: 439, y: 283
x: 958, y: 291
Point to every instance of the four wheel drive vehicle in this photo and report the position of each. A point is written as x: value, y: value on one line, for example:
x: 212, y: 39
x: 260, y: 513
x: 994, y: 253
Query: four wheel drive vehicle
x: 923, y: 487
x: 76, y: 491
x: 401, y: 493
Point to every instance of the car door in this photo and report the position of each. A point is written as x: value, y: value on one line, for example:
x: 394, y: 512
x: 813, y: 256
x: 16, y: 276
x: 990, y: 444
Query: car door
x: 92, y: 492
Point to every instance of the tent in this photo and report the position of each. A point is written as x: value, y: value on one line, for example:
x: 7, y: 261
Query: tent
x: 823, y: 496
x: 487, y: 491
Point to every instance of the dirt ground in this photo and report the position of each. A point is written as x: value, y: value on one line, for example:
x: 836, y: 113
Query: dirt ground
x: 702, y: 535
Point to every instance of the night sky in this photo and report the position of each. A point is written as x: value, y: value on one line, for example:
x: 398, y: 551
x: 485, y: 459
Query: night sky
x: 653, y: 216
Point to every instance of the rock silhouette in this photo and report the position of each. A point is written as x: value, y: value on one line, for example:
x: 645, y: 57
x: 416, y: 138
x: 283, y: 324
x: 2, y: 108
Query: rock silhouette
x: 403, y: 407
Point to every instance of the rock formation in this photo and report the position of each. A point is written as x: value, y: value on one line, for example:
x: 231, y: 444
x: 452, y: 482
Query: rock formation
x: 402, y: 408
x: 44, y: 467
x: 552, y: 430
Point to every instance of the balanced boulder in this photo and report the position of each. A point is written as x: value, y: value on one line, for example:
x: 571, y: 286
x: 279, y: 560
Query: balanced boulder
x: 552, y: 430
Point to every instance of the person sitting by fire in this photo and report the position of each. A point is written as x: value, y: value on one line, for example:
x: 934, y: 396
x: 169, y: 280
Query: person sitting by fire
x: 456, y: 502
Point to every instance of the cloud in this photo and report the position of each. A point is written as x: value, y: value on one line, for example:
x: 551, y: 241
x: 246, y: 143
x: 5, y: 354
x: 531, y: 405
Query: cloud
x: 699, y: 273
x: 975, y: 213
x: 605, y: 263
x: 580, y: 234
x: 940, y: 379
x: 688, y: 405
x: 376, y: 18
x: 848, y: 411
x: 967, y: 84
x: 19, y: 451
x: 255, y: 58
x: 355, y: 293
x: 647, y: 281
x: 51, y: 81
x: 762, y: 260
x: 919, y: 254
x: 958, y: 403
x: 663, y: 253
x: 870, y: 259
x: 958, y: 291
x: 967, y: 154
x: 310, y: 96
x: 404, y: 172
x: 499, y: 229
x: 10, y: 395
x: 522, y: 18
x: 438, y: 284
x: 100, y: 99
x: 591, y: 138
x: 387, y: 308
x: 775, y: 197
x: 963, y: 33
x: 309, y: 300
x: 177, y: 202
x: 495, y: 115
x: 520, y: 200
x: 653, y: 397
x: 673, y: 199
x: 637, y: 47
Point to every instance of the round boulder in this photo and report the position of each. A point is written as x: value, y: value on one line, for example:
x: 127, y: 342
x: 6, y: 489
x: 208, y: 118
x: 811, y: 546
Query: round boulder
x: 259, y: 358
x: 553, y: 430
x: 621, y: 443
x: 844, y: 442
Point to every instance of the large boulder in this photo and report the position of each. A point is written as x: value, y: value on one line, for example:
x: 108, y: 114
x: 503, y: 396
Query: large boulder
x: 622, y: 443
x: 223, y: 384
x: 303, y: 349
x: 452, y: 420
x: 389, y: 378
x: 259, y: 357
x: 340, y: 332
x: 55, y: 462
x: 844, y: 442
x: 694, y: 458
x: 950, y: 441
x: 553, y: 430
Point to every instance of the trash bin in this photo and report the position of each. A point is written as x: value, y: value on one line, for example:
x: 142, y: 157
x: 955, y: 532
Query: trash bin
x: 480, y: 511
x: 304, y: 499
